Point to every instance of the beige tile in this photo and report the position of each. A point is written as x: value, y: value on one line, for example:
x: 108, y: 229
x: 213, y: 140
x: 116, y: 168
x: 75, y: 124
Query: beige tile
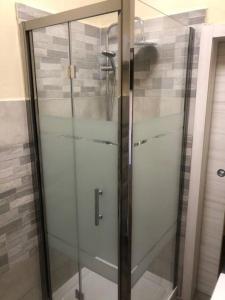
x: 20, y: 280
x: 13, y: 122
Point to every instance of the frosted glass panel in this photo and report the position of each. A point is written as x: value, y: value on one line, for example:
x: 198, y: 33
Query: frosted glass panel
x: 96, y: 154
x: 96, y: 167
x: 58, y: 169
x: 155, y: 189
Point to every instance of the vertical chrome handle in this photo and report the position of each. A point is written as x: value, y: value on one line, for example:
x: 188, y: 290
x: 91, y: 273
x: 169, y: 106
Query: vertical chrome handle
x: 98, y: 216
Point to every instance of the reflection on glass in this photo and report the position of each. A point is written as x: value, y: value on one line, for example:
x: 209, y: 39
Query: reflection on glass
x: 159, y: 82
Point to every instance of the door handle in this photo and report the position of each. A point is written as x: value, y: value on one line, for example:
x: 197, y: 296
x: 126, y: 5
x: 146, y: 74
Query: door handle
x: 221, y: 172
x: 98, y: 216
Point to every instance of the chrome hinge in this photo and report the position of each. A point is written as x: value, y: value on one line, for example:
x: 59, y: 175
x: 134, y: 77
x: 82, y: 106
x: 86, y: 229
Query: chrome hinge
x: 79, y: 295
x: 71, y: 71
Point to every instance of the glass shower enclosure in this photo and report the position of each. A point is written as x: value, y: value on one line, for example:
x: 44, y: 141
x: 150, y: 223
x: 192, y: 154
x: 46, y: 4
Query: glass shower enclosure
x: 107, y: 85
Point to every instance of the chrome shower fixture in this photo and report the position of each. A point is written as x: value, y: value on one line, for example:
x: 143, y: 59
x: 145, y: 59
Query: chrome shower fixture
x: 110, y: 55
x: 140, y: 43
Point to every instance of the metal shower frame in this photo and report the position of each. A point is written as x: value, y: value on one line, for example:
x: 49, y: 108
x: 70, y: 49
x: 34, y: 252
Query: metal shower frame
x: 126, y: 16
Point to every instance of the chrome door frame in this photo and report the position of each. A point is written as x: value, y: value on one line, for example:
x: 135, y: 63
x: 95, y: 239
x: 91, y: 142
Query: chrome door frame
x: 125, y: 9
x: 80, y: 13
x: 37, y: 172
x: 126, y: 148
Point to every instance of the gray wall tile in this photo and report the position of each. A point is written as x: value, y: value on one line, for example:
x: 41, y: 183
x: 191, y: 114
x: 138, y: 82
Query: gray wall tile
x: 13, y: 122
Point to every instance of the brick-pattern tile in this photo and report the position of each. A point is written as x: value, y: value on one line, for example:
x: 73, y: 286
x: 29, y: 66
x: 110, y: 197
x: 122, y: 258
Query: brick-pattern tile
x: 18, y: 224
x: 25, y: 12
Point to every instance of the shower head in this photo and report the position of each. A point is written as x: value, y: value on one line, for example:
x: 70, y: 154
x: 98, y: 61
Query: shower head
x: 108, y: 53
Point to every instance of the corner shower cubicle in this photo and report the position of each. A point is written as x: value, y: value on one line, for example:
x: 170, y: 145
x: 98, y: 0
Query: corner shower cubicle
x: 107, y: 84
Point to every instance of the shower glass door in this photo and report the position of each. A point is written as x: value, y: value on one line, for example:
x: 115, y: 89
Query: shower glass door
x: 54, y: 115
x: 82, y: 128
x: 94, y: 60
x: 160, y: 63
x: 76, y: 72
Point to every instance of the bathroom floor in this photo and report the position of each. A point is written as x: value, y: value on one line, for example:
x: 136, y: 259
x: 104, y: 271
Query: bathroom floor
x: 96, y: 287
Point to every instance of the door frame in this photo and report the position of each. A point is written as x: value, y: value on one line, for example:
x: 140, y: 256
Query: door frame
x: 125, y: 9
x: 210, y: 36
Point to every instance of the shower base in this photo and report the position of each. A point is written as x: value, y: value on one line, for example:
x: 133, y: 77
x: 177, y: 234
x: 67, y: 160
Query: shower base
x: 96, y: 287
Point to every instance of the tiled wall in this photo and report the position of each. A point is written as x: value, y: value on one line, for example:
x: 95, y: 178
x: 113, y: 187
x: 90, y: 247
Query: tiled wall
x: 19, y: 263
x: 51, y: 48
x: 18, y: 220
x: 160, y: 70
x: 51, y: 52
x: 25, y: 12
